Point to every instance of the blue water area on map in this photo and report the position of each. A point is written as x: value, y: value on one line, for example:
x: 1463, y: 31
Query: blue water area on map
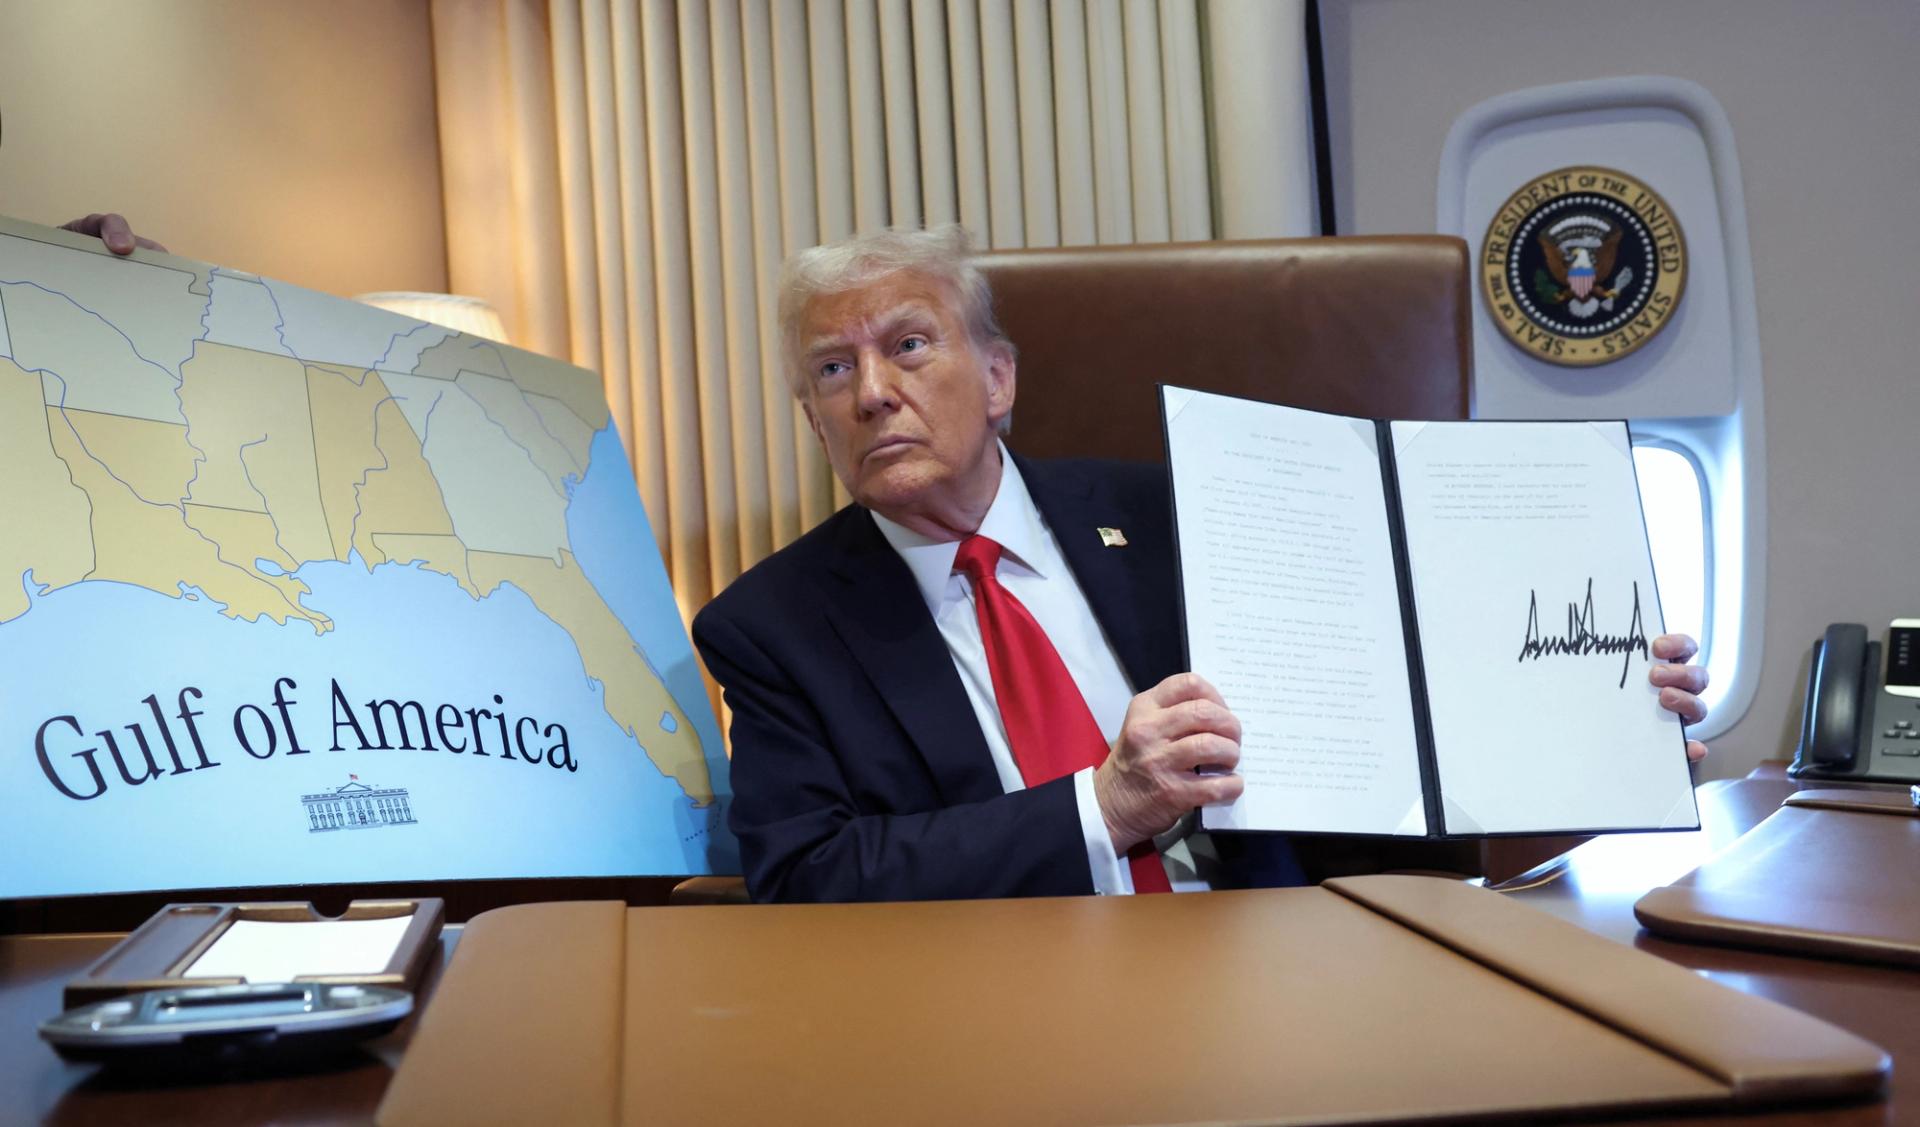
x: 95, y: 650
x: 615, y: 547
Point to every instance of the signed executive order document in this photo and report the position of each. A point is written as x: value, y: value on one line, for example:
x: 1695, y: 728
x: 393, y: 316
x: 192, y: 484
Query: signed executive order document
x: 1427, y: 629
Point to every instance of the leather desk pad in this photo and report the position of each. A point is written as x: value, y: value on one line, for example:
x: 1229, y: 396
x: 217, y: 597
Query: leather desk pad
x: 1366, y: 1000
x: 1834, y: 873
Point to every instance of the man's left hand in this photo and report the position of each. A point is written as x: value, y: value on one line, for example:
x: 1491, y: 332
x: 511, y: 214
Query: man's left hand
x: 1680, y: 684
x: 112, y: 229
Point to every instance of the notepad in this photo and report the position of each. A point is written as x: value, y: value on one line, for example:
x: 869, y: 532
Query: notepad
x: 280, y: 951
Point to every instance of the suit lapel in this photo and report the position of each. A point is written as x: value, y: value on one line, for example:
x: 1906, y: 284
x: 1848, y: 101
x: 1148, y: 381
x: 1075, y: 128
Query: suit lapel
x: 877, y: 610
x: 1128, y: 587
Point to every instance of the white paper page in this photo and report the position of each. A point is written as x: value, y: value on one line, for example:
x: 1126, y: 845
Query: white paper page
x: 1534, y: 591
x: 280, y: 950
x: 1293, y: 613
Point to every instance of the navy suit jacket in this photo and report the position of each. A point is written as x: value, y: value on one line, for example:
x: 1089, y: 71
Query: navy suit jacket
x: 859, y: 770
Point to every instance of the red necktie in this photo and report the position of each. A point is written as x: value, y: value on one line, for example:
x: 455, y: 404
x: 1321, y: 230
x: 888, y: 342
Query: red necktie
x: 1052, y: 731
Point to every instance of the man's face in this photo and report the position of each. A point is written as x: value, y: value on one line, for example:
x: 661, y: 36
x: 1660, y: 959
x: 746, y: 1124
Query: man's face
x: 901, y: 398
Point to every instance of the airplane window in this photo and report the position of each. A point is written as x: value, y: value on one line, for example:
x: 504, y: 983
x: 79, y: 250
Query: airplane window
x: 1671, y: 492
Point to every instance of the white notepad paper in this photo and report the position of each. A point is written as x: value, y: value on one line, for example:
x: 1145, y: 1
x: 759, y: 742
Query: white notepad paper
x: 282, y: 950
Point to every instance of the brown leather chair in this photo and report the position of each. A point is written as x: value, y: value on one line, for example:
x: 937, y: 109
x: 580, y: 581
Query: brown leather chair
x: 1370, y: 326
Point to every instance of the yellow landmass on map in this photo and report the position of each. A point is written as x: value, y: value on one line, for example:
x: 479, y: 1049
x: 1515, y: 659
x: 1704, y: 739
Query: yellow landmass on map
x: 430, y: 552
x: 240, y: 538
x: 374, y: 483
x: 342, y: 400
x: 151, y: 459
x: 635, y: 697
x: 46, y: 526
x: 247, y: 413
x: 403, y: 499
x: 152, y: 546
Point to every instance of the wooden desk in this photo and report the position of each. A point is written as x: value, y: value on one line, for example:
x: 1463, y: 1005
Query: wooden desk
x: 1596, y: 890
x: 1604, y: 877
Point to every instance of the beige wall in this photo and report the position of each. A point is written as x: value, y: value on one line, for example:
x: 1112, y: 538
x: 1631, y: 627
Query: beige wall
x: 290, y: 139
x: 1824, y: 100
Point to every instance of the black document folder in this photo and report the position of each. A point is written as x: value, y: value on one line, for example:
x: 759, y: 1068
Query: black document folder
x: 1432, y: 629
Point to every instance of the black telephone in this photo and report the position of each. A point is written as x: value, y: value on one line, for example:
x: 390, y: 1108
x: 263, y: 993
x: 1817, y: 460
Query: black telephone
x: 1858, y: 726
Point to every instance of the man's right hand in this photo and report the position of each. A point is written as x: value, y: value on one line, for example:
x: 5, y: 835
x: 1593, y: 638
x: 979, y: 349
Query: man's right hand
x: 1148, y: 781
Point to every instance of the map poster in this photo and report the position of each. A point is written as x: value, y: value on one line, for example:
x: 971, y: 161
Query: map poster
x: 294, y: 590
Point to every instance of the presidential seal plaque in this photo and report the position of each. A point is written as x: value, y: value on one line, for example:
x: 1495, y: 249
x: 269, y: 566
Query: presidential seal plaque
x: 1582, y: 266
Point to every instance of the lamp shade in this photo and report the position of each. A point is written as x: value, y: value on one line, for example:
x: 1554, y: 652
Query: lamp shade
x: 454, y: 311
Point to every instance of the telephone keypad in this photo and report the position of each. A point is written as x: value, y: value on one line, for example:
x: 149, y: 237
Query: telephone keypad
x: 1898, y: 722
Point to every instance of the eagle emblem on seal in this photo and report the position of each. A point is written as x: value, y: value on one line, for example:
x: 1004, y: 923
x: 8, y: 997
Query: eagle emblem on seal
x: 1580, y: 252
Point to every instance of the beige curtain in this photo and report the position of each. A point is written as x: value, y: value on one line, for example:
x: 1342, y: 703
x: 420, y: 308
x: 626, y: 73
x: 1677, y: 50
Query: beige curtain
x: 624, y: 177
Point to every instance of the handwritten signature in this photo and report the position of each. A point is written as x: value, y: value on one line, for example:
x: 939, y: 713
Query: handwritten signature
x: 1580, y: 638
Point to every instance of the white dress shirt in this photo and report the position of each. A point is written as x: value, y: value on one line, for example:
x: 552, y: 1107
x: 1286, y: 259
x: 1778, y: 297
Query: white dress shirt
x: 1033, y: 571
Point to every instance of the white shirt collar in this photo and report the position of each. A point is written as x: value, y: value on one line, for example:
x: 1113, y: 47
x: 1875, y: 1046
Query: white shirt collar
x: 1011, y: 521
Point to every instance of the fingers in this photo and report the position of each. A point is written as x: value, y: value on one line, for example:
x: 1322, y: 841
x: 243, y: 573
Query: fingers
x: 1696, y: 751
x: 1687, y: 678
x: 1196, y: 733
x: 1189, y: 717
x: 1204, y: 750
x: 1192, y: 734
x: 1685, y: 705
x: 1182, y: 687
x: 1678, y: 682
x: 115, y: 232
x: 112, y: 229
x: 1675, y: 647
x: 1209, y: 790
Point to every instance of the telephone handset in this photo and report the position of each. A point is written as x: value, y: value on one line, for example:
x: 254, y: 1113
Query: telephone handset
x: 1858, y: 726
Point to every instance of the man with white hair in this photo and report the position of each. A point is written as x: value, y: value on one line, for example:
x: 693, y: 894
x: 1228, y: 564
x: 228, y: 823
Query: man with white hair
x: 950, y: 688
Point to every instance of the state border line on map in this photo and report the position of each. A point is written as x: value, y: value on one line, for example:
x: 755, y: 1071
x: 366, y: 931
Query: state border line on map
x: 231, y: 509
x: 114, y: 414
x: 313, y: 443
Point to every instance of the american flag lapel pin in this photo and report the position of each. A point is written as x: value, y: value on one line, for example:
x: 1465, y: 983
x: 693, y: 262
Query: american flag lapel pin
x: 1112, y: 537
